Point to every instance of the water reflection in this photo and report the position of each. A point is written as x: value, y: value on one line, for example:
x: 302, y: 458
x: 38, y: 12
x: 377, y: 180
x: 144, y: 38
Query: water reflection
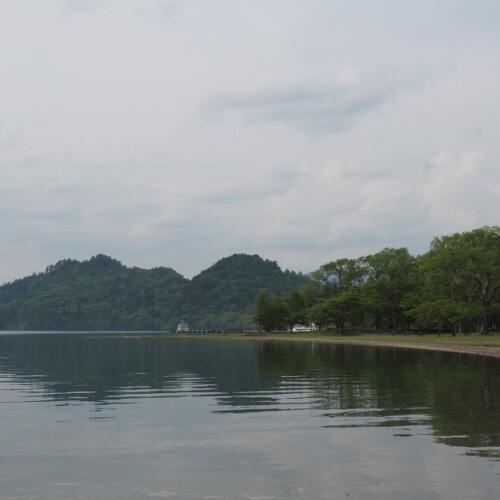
x: 456, y: 394
x: 216, y: 398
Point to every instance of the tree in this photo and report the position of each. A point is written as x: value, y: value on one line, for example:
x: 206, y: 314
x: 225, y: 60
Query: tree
x: 272, y: 312
x: 389, y: 279
x: 319, y: 314
x: 296, y: 309
x: 460, y: 280
x: 339, y: 276
x: 343, y: 308
x: 338, y: 296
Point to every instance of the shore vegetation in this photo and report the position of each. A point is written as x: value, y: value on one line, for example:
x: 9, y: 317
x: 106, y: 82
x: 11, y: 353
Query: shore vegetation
x: 453, y: 288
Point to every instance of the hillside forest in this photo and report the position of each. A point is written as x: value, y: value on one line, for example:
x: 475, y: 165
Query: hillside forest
x: 454, y: 287
x: 103, y: 294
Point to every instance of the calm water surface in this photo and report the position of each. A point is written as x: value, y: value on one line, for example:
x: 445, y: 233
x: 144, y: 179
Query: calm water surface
x: 125, y: 417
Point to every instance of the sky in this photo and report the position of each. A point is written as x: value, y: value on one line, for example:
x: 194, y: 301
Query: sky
x: 176, y: 133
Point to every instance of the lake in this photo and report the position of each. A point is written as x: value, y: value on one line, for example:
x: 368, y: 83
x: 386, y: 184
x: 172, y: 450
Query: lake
x: 108, y: 416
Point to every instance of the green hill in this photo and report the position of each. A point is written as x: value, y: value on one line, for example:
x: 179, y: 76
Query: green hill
x: 103, y: 294
x: 226, y: 293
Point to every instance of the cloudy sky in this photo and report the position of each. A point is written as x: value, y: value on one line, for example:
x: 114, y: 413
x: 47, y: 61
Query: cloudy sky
x: 175, y: 133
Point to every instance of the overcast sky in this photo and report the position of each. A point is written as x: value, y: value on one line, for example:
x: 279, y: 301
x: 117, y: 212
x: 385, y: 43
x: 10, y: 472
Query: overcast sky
x: 176, y: 133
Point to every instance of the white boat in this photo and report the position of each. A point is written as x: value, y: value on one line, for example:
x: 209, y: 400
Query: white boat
x: 182, y: 327
x: 304, y: 328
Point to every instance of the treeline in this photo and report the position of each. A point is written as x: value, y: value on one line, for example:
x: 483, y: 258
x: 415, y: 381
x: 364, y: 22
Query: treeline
x: 453, y: 287
x: 103, y: 294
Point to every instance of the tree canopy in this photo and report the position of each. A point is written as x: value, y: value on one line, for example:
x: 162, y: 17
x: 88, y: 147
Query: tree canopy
x: 455, y: 287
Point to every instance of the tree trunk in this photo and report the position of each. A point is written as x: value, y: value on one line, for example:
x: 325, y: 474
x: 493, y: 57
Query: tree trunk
x: 484, y: 325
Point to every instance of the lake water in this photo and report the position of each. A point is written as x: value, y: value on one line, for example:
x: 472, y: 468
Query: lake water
x: 97, y: 416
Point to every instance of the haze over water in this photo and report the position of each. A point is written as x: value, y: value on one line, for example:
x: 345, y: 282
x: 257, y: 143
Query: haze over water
x: 126, y: 417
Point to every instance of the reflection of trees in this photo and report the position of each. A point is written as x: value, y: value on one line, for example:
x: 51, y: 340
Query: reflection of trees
x: 345, y: 376
x: 460, y: 393
x: 466, y: 407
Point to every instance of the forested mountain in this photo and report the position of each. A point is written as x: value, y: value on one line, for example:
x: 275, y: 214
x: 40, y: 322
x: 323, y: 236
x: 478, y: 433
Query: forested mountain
x: 226, y: 293
x: 103, y: 294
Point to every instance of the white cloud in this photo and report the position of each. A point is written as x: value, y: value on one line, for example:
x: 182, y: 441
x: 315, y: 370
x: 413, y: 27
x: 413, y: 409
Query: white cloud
x: 317, y: 108
x: 176, y: 133
x: 458, y: 195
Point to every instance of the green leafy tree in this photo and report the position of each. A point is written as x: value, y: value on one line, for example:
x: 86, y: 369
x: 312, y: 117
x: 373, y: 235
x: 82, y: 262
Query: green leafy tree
x: 337, y: 287
x: 344, y: 307
x: 338, y: 276
x: 296, y: 309
x: 319, y: 314
x: 389, y: 278
x: 272, y: 313
x: 460, y: 280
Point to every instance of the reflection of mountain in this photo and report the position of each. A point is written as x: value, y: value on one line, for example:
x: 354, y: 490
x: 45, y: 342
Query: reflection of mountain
x: 457, y: 395
x: 99, y: 367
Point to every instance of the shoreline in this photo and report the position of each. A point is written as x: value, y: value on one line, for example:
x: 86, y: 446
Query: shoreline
x: 474, y: 350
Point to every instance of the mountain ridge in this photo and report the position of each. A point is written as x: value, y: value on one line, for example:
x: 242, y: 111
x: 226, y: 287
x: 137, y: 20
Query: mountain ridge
x: 103, y: 294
